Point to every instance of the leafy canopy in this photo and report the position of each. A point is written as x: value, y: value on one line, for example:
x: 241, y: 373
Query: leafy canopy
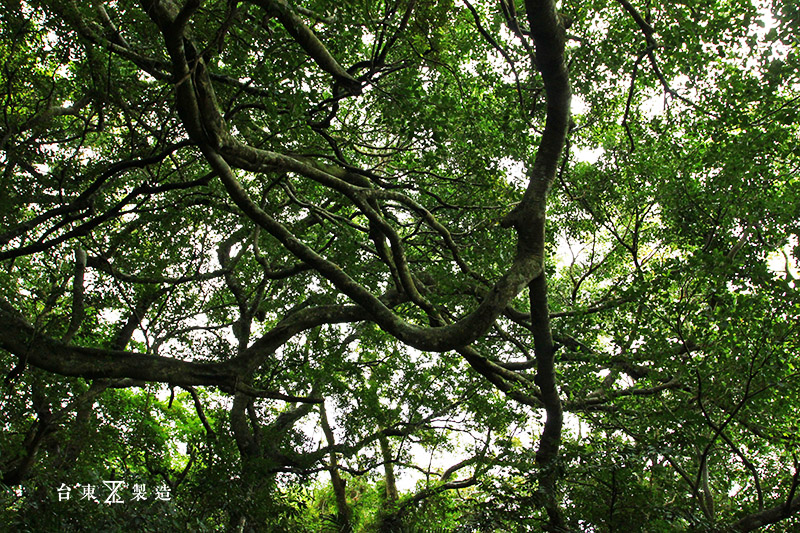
x: 399, y: 265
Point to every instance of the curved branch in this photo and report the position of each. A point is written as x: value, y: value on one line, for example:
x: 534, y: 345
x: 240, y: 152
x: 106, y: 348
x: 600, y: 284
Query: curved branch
x: 21, y: 339
x: 306, y: 38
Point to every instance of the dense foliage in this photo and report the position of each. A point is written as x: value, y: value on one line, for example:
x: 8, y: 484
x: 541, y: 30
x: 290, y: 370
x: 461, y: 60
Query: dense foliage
x: 400, y: 265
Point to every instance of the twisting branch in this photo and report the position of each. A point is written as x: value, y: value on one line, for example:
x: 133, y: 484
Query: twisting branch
x: 306, y: 38
x: 198, y: 405
x: 650, y: 40
x: 200, y: 114
x: 549, y: 36
x: 502, y: 51
x: 629, y: 100
x: 510, y: 14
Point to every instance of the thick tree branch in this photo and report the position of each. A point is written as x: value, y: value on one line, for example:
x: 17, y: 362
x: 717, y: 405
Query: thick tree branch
x: 772, y: 515
x: 78, y: 312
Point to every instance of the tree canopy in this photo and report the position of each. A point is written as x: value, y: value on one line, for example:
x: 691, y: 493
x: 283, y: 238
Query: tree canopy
x: 400, y: 265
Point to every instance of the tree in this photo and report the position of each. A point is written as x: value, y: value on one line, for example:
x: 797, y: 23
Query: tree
x: 334, y: 230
